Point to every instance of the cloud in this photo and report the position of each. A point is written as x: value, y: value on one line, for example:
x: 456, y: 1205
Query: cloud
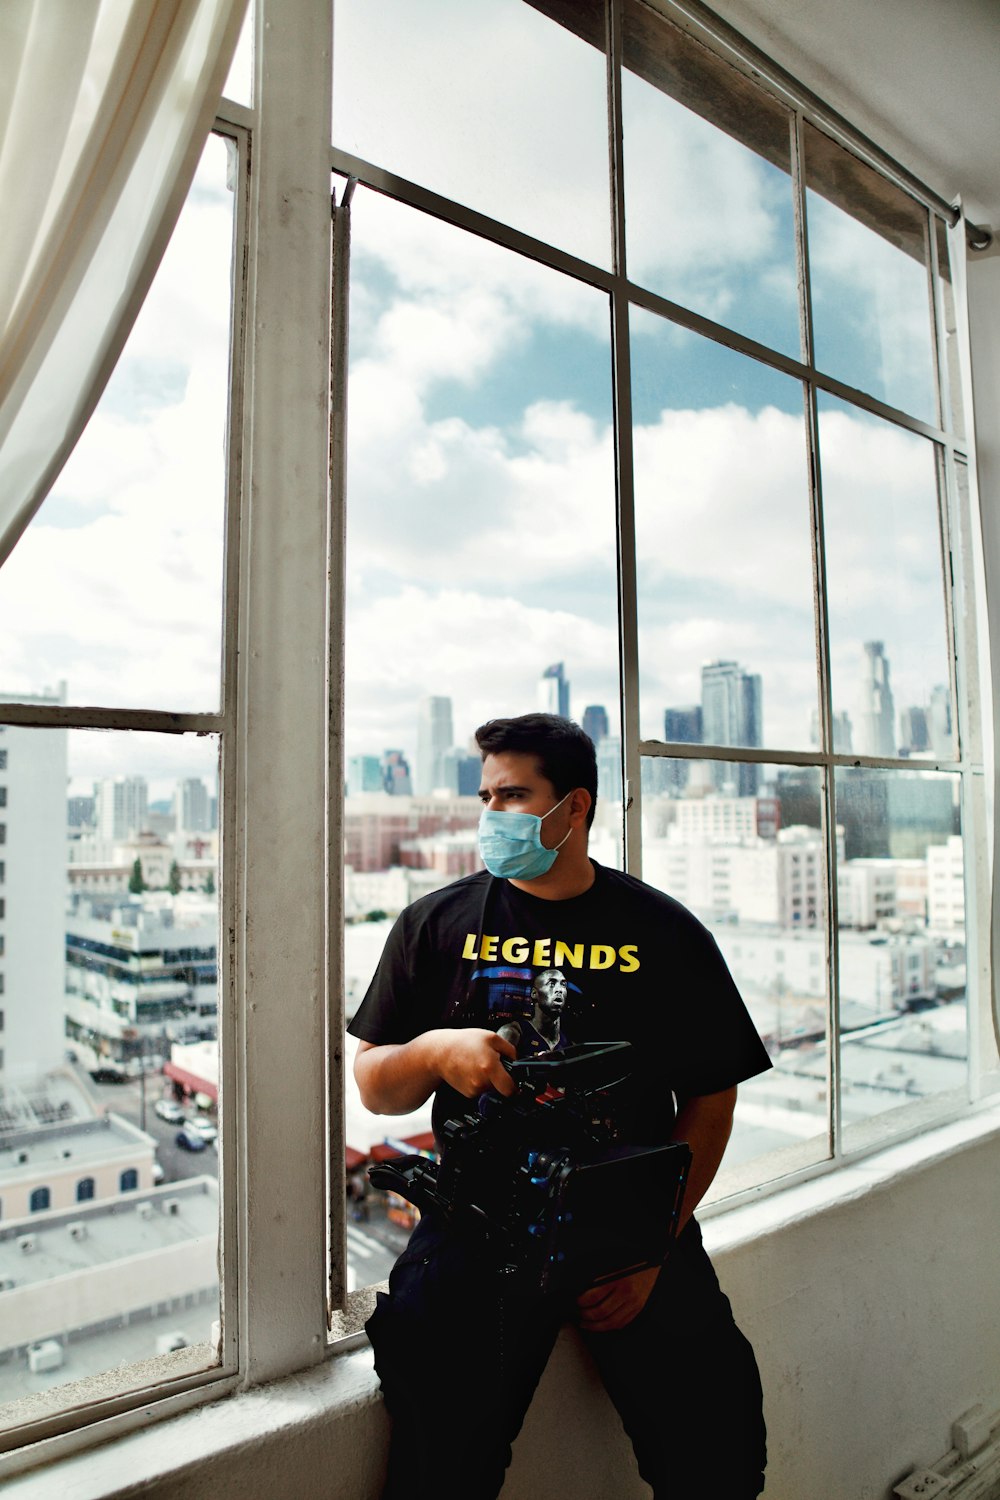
x: 702, y: 210
x: 486, y: 651
x: 871, y: 310
x: 518, y: 129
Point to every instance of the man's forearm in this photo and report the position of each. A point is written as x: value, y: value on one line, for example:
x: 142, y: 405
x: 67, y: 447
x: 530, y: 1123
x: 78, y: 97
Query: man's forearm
x: 397, y: 1077
x: 705, y: 1122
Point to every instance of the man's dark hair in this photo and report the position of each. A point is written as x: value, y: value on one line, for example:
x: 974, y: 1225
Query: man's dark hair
x: 565, y: 755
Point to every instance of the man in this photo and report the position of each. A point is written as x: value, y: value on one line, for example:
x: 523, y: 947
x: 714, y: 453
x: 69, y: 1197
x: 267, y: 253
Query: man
x: 458, y: 1347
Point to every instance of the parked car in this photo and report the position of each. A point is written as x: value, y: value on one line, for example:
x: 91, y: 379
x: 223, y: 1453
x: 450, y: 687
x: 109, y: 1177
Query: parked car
x: 169, y: 1110
x: 190, y: 1139
x: 205, y: 1128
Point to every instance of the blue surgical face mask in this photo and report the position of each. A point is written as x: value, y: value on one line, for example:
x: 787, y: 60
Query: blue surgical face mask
x: 511, y: 844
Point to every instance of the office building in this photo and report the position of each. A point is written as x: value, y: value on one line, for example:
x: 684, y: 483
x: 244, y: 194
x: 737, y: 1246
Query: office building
x: 732, y: 714
x: 193, y: 806
x: 595, y: 722
x: 434, y: 737
x: 553, y: 691
x: 396, y: 774
x: 364, y: 774
x: 876, y: 716
x: 121, y: 807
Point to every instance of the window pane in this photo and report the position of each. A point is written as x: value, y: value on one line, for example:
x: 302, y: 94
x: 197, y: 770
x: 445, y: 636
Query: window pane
x: 868, y: 272
x: 116, y: 586
x: 519, y: 124
x: 955, y: 417
x: 888, y: 636
x: 752, y: 868
x: 480, y: 564
x: 109, y: 1252
x: 239, y: 84
x: 709, y: 212
x: 724, y: 557
x: 481, y: 519
x: 901, y: 898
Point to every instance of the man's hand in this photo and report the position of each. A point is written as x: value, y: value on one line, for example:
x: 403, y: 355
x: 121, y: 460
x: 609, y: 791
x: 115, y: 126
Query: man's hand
x: 614, y: 1305
x: 470, y: 1061
x: 398, y: 1077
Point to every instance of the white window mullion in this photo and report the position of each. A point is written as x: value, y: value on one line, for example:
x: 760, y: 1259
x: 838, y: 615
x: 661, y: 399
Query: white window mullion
x: 281, y: 929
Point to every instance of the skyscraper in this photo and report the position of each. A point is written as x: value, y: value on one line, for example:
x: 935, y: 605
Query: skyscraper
x: 364, y: 774
x: 396, y: 773
x: 939, y: 723
x: 553, y: 691
x: 595, y: 722
x: 732, y: 714
x: 914, y: 732
x: 121, y: 807
x: 461, y: 772
x: 681, y: 726
x: 877, y: 716
x: 434, y: 737
x: 843, y: 734
x: 192, y: 806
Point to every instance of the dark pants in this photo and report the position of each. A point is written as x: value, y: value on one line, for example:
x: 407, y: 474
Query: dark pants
x: 459, y: 1348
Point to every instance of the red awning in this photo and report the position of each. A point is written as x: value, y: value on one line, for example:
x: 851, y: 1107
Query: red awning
x: 191, y: 1081
x: 414, y: 1143
x: 354, y: 1159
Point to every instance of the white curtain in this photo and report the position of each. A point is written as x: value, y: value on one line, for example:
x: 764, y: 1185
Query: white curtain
x: 105, y: 106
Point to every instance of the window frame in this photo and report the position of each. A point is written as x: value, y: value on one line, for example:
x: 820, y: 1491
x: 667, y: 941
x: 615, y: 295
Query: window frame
x: 961, y: 547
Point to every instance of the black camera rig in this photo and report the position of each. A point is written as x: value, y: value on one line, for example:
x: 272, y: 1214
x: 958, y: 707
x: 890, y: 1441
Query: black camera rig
x: 540, y: 1173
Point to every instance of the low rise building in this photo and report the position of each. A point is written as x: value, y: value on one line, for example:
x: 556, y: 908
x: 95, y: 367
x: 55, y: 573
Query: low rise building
x: 140, y: 974
x: 66, y: 1162
x: 73, y: 1276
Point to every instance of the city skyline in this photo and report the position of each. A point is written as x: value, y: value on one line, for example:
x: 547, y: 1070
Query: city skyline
x: 730, y: 712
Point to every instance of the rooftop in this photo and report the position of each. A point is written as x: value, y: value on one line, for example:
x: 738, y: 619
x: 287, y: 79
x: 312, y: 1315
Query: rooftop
x: 105, y: 1230
x: 26, y: 1151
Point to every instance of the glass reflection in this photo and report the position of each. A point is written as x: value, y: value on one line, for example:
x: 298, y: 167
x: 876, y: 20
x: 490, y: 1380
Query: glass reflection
x: 519, y: 125
x: 868, y: 260
x: 888, y: 636
x: 109, y: 934
x: 752, y: 868
x: 709, y: 215
x: 901, y: 898
x: 724, y: 557
x: 116, y: 586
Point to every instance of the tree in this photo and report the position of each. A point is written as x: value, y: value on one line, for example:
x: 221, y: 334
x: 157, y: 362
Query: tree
x: 209, y: 886
x: 136, y: 884
x: 174, y: 880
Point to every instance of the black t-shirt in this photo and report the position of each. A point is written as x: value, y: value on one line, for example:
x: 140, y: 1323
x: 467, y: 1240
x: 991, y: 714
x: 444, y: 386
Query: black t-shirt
x: 619, y: 962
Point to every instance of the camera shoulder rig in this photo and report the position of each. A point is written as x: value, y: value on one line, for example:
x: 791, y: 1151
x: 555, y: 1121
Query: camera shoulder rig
x: 542, y: 1176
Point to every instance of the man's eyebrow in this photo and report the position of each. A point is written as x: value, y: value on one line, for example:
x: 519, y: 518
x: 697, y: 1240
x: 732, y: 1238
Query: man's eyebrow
x: 499, y: 790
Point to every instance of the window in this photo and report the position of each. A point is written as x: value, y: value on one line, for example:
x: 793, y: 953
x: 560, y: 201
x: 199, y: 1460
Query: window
x: 39, y: 1200
x: 786, y: 474
x: 140, y: 805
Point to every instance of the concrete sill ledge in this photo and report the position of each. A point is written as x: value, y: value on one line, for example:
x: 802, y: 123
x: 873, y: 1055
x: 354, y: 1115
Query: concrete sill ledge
x: 322, y: 1432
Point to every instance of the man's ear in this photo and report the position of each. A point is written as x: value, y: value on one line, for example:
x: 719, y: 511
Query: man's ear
x: 579, y: 806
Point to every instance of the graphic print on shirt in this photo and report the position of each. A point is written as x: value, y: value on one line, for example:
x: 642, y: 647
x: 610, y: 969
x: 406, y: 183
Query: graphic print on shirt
x: 541, y: 1001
